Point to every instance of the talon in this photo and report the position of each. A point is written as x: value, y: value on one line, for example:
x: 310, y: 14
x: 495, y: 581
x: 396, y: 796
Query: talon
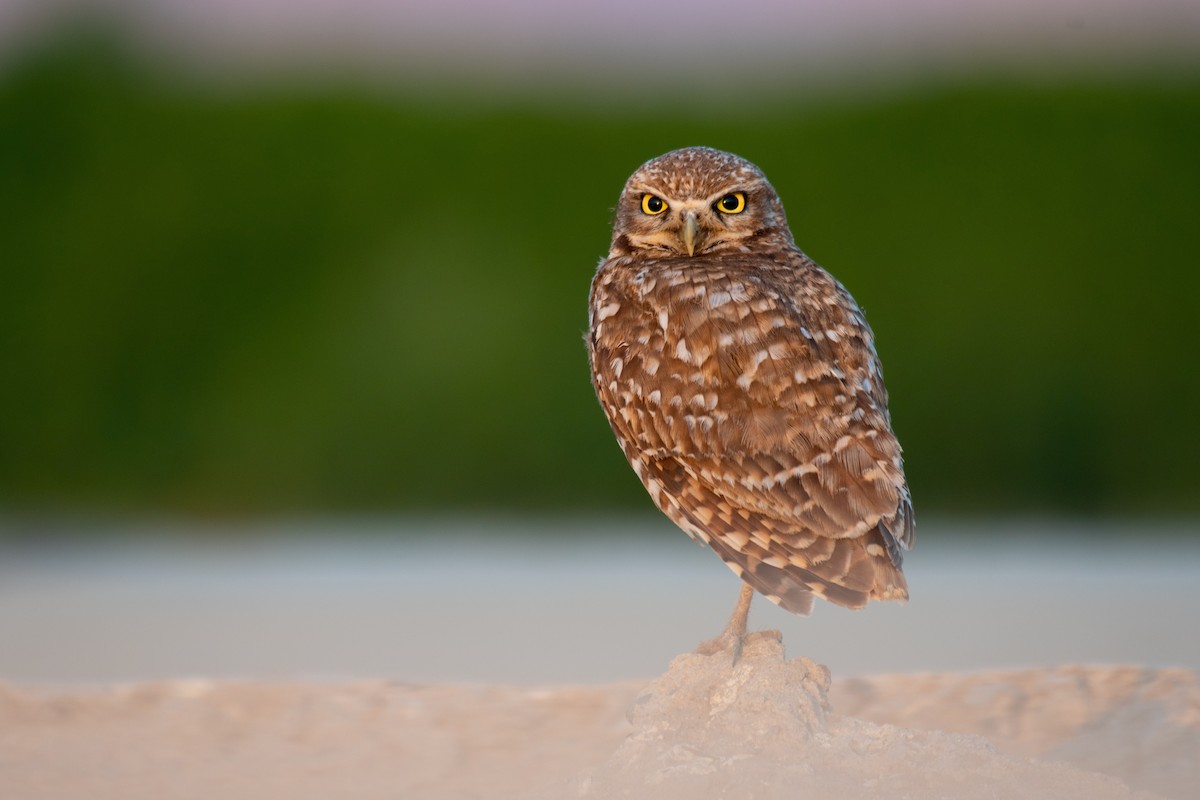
x: 720, y: 645
x: 734, y: 635
x: 774, y: 634
x: 735, y: 643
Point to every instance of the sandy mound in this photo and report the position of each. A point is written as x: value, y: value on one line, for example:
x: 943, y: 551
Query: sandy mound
x: 766, y: 727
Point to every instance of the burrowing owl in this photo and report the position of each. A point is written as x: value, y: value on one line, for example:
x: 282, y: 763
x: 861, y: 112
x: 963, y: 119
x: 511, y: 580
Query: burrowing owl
x: 742, y: 383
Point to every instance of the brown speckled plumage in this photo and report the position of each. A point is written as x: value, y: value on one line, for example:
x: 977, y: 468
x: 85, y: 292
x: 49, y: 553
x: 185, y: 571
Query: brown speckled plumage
x: 742, y: 383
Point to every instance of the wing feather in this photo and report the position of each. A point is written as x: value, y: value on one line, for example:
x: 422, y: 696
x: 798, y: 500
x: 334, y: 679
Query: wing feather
x: 750, y: 401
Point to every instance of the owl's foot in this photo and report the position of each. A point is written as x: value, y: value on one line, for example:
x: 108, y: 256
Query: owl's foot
x: 735, y: 643
x: 734, y: 637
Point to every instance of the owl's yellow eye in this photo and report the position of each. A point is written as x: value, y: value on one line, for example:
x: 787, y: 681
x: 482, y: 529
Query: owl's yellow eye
x: 732, y: 203
x: 653, y: 205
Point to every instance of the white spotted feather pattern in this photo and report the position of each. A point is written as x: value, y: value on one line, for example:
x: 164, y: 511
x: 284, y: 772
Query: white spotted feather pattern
x: 742, y: 383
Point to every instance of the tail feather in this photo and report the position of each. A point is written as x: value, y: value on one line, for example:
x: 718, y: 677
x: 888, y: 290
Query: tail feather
x: 786, y: 565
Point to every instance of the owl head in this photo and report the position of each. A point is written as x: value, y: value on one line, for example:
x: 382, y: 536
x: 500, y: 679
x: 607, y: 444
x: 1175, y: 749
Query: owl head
x: 698, y: 201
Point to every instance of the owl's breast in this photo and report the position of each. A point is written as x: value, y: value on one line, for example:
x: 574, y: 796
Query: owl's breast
x: 718, y: 358
x: 706, y: 358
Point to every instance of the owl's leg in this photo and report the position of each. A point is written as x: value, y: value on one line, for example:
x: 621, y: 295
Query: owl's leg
x: 734, y: 635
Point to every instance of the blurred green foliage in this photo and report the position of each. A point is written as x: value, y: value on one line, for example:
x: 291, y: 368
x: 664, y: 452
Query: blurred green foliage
x: 286, y: 298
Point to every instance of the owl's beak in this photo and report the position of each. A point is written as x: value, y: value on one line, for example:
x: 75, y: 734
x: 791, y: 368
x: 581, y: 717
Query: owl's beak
x: 690, y: 231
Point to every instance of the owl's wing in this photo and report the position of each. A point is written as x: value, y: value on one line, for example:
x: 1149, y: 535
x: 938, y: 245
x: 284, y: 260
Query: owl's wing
x: 752, y: 406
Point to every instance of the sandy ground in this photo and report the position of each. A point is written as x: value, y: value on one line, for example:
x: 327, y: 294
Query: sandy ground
x: 766, y: 727
x: 289, y: 637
